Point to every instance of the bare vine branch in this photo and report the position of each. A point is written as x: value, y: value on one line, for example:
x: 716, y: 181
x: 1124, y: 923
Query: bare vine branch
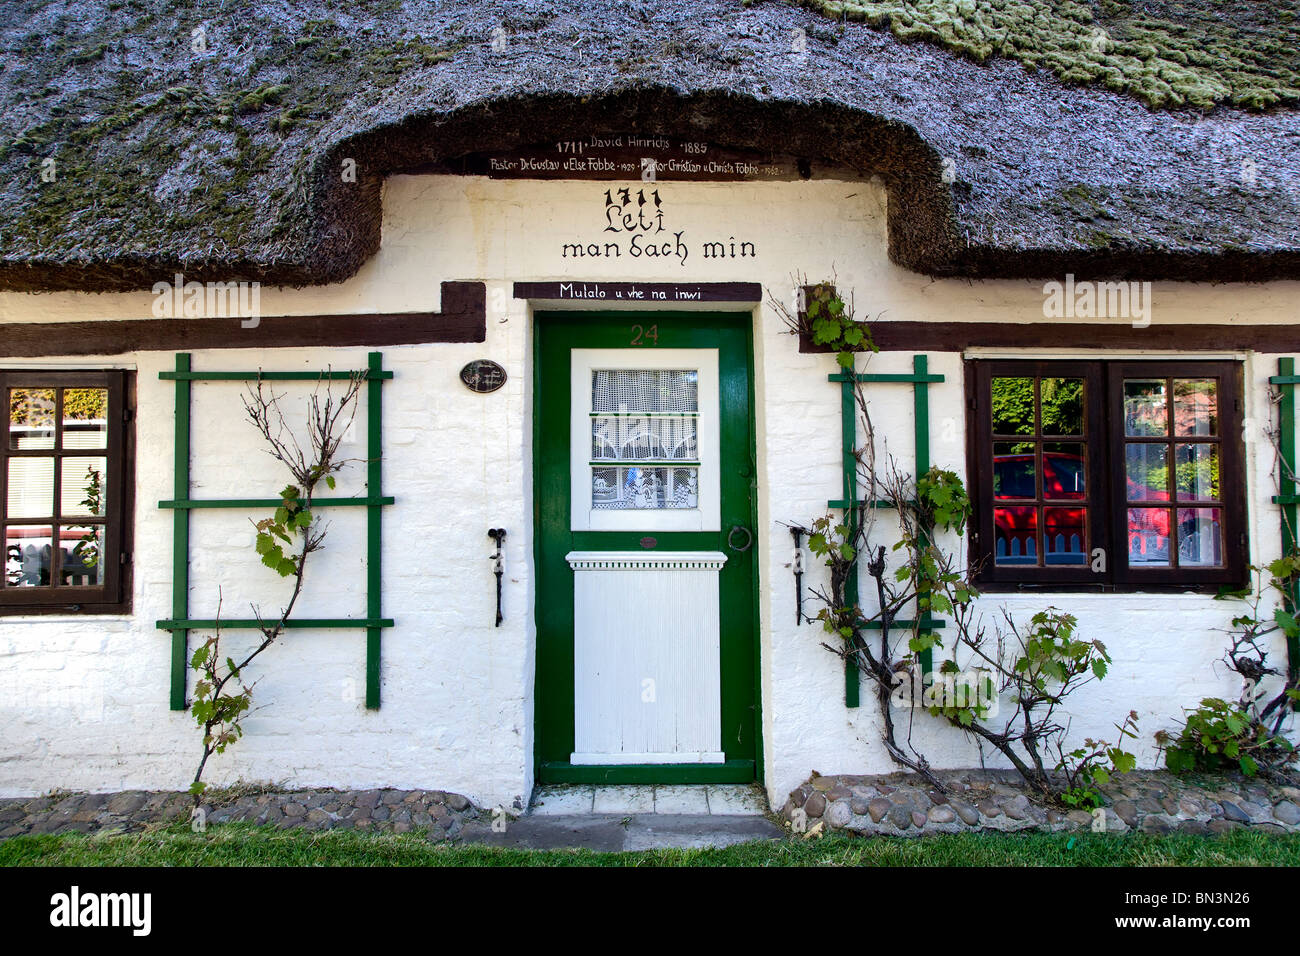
x: 285, y: 541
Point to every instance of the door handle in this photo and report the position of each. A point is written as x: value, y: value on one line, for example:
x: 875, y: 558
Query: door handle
x: 731, y: 538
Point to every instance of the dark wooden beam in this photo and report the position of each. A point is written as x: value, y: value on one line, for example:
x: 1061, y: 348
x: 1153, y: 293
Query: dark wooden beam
x: 959, y: 336
x: 463, y: 319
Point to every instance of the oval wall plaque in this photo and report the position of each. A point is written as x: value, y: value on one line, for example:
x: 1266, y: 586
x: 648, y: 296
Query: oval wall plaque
x: 483, y: 375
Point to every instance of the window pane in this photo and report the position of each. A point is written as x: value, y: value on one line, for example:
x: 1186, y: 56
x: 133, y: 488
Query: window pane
x: 31, y: 488
x: 83, y: 481
x: 1148, y: 537
x: 1146, y: 407
x: 83, y: 549
x: 645, y: 390
x: 27, y: 557
x: 85, y: 418
x: 1197, y: 468
x: 622, y: 489
x: 1013, y: 470
x: 1013, y: 406
x: 1064, y: 471
x: 634, y: 438
x: 31, y: 418
x: 1200, y: 543
x: 1146, y: 466
x: 1065, y: 536
x: 1016, y: 531
x: 1196, y: 406
x: 1062, y: 406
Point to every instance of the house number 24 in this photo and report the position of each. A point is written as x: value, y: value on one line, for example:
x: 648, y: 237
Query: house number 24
x: 642, y: 335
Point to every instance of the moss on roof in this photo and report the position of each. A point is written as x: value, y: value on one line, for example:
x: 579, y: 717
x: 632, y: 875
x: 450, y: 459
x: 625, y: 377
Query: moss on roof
x: 1196, y: 53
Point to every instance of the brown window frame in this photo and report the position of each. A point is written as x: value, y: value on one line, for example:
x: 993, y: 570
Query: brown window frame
x: 114, y: 595
x: 1106, y: 525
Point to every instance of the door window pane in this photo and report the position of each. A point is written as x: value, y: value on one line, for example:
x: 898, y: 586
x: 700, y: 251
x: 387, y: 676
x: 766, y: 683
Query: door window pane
x: 640, y: 418
x: 620, y: 489
x: 1146, y: 407
x: 671, y: 391
x: 636, y: 438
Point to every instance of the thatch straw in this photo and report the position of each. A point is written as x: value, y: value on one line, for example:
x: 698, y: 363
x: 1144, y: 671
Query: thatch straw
x: 225, y: 163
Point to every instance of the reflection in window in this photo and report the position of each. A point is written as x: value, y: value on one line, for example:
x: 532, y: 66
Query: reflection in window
x: 31, y: 418
x: 29, y: 558
x: 1200, y: 540
x: 1146, y: 407
x: 1151, y: 425
x: 1146, y: 467
x: 58, y: 507
x: 1196, y: 406
x: 1148, y: 537
x: 1154, y: 445
x: 1031, y: 464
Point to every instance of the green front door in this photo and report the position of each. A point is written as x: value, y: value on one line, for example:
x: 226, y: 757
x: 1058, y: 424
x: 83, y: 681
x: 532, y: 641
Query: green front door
x: 645, y: 512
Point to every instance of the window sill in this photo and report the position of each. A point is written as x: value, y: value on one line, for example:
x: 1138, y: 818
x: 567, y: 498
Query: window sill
x: 1191, y: 590
x: 59, y: 613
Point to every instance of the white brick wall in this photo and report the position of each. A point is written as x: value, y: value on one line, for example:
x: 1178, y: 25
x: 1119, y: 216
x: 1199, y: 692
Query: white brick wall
x: 83, y: 701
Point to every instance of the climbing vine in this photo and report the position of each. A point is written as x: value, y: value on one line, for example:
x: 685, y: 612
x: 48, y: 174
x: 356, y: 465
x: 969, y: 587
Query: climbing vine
x: 1247, y: 734
x: 285, y: 540
x: 1027, y: 670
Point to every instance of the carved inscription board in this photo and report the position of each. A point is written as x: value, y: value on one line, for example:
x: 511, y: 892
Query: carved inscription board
x: 645, y: 158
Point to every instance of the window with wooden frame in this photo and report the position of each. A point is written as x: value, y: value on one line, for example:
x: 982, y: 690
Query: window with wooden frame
x: 65, y: 484
x: 1128, y: 474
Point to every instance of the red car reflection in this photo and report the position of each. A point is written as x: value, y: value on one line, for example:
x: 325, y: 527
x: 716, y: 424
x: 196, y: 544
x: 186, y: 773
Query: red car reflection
x: 1064, y: 527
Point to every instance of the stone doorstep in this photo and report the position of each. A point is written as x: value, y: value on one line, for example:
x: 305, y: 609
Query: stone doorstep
x: 1153, y: 801
x: 739, y: 800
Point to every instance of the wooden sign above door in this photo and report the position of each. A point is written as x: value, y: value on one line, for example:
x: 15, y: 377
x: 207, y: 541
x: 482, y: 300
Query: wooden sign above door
x: 641, y: 291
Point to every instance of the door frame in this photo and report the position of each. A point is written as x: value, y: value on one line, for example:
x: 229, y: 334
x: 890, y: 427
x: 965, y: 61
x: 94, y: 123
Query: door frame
x: 553, y: 687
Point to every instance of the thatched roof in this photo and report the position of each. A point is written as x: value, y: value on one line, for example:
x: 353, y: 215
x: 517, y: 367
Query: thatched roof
x: 224, y: 162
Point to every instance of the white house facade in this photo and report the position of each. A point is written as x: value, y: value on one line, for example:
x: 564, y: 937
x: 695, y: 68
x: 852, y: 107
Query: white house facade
x: 717, y: 446
x: 571, y: 247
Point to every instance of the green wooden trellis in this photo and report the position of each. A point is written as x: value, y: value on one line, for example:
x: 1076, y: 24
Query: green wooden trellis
x: 180, y: 623
x: 920, y: 379
x: 1286, y: 487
